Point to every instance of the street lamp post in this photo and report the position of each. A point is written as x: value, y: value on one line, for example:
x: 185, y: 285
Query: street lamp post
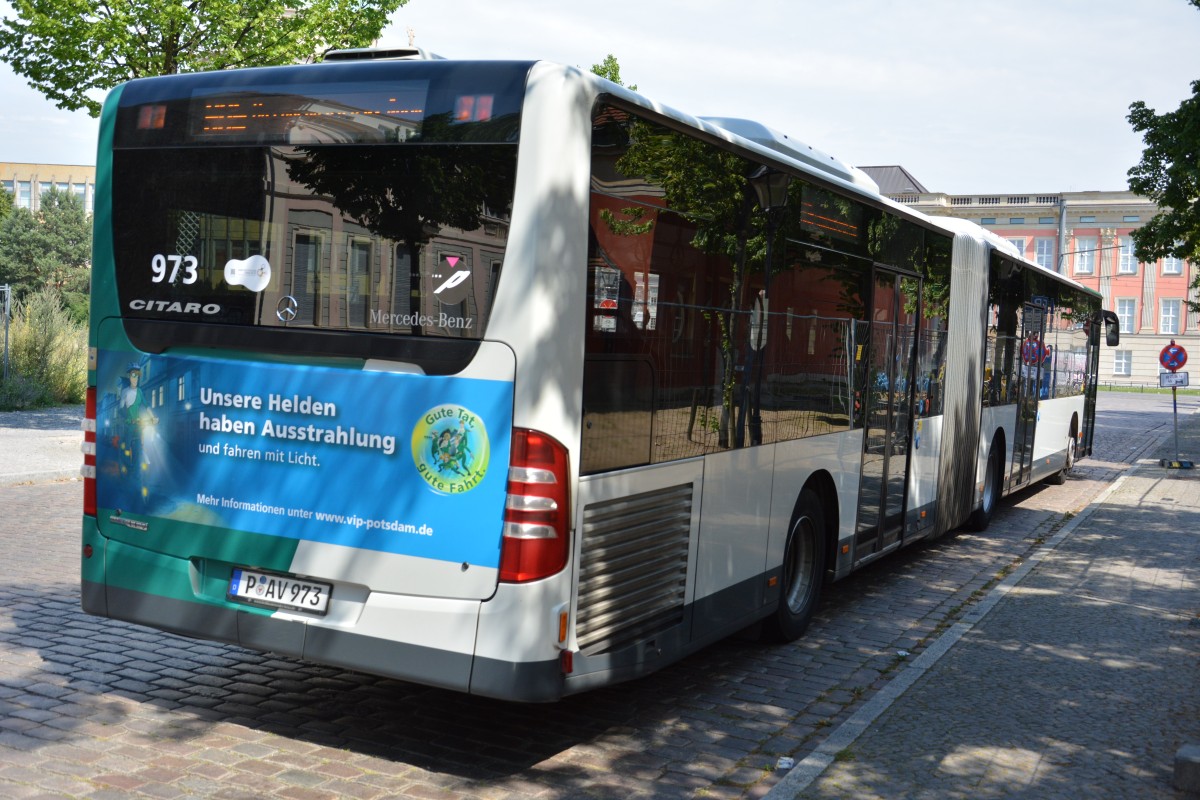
x: 6, y: 308
x: 771, y: 189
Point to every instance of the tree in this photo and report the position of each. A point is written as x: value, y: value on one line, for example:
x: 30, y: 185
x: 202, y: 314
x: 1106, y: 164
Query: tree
x: 49, y: 248
x: 1169, y: 174
x: 609, y: 68
x: 6, y: 203
x: 68, y: 48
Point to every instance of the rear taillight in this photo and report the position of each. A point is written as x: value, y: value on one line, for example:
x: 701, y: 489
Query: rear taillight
x: 89, y: 453
x: 536, y: 513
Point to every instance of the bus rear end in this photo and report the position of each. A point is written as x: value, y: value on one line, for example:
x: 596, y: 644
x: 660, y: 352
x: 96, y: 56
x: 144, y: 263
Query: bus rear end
x: 301, y: 440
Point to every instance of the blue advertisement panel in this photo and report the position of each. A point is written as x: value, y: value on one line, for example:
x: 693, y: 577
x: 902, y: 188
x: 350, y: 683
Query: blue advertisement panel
x: 399, y: 463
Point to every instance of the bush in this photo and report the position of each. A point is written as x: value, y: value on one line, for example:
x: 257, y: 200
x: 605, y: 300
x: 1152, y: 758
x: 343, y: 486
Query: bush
x: 78, y: 305
x: 19, y: 394
x: 47, y: 353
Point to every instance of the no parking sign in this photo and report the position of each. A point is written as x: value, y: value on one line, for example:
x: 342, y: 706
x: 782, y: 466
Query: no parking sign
x: 1172, y: 357
x: 1032, y: 351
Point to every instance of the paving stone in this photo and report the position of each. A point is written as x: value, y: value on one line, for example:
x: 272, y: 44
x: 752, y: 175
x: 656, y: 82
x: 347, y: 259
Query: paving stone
x: 201, y: 719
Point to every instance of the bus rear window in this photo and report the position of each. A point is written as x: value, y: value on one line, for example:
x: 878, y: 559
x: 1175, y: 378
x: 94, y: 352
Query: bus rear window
x: 377, y: 238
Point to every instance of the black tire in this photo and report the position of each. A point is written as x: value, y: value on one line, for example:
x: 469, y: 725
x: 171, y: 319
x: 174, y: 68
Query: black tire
x: 803, y: 572
x: 1060, y: 477
x: 994, y: 476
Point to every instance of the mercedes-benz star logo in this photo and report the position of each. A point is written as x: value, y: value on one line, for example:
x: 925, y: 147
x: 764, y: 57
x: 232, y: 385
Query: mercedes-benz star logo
x: 287, y: 308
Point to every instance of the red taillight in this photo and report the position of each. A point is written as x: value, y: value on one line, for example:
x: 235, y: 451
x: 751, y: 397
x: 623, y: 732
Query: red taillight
x: 536, y: 513
x: 89, y: 452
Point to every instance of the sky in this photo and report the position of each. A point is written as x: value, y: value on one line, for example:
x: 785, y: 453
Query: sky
x: 969, y: 96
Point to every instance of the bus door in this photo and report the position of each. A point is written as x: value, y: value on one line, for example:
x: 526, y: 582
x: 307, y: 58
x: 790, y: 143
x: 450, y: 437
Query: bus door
x: 888, y: 413
x: 1033, y: 355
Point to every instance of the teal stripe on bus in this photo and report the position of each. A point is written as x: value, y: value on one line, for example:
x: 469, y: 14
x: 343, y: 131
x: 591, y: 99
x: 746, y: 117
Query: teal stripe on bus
x: 164, y: 558
x: 105, y: 302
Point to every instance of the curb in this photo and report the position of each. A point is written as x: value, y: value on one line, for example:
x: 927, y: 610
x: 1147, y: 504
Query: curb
x: 49, y: 476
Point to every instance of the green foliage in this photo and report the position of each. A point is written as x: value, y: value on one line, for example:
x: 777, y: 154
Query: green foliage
x: 1169, y: 175
x: 47, y: 353
x: 67, y: 49
x: 51, y: 247
x: 19, y: 394
x: 391, y: 200
x: 610, y: 69
x: 78, y: 306
x: 6, y: 202
x: 632, y: 226
x: 707, y: 184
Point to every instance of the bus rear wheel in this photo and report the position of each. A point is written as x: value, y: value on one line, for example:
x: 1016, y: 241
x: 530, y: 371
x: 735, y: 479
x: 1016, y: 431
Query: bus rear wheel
x: 982, y: 517
x: 1060, y: 477
x: 803, y: 572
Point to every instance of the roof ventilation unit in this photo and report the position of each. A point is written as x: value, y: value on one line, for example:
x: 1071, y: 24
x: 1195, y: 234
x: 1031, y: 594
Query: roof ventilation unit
x: 782, y: 143
x: 380, y: 54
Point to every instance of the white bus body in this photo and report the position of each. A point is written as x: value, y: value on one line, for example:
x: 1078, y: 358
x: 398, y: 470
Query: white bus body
x: 673, y: 540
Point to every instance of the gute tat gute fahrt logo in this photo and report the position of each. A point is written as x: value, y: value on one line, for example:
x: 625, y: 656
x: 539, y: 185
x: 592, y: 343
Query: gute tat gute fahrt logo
x: 450, y: 448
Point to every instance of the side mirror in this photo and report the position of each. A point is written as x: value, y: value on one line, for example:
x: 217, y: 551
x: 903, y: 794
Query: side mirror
x: 1112, y: 328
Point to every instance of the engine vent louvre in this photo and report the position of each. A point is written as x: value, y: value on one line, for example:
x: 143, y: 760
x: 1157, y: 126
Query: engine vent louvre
x: 633, y: 569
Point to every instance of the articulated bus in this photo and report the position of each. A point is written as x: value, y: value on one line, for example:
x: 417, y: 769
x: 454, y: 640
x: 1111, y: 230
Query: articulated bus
x: 502, y: 378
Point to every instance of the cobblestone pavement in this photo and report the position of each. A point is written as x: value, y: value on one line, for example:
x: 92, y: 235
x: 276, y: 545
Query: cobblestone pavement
x: 1083, y: 682
x: 100, y: 709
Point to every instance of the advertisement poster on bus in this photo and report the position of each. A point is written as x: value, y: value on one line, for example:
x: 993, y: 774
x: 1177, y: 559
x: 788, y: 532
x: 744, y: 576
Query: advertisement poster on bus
x: 393, y: 462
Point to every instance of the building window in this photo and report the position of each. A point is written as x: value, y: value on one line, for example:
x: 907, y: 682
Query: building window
x: 1172, y: 266
x: 1125, y: 313
x: 1127, y: 264
x: 24, y: 198
x: 1087, y: 218
x: 1168, y: 316
x: 43, y: 187
x: 1043, y: 252
x: 988, y: 221
x: 1018, y: 243
x: 8, y: 186
x: 1085, y: 254
x: 1123, y: 362
x: 80, y: 191
x: 1045, y: 220
x: 1131, y: 218
x: 1016, y: 220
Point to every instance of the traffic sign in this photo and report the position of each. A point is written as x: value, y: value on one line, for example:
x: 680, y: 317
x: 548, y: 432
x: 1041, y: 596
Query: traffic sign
x: 1172, y: 357
x: 1032, y: 351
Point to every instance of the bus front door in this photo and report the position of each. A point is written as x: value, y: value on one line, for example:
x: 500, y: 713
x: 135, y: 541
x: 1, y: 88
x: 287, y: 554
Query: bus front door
x: 887, y: 430
x: 1033, y: 354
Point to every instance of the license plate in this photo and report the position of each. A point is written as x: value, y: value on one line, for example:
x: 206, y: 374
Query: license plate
x: 279, y: 591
